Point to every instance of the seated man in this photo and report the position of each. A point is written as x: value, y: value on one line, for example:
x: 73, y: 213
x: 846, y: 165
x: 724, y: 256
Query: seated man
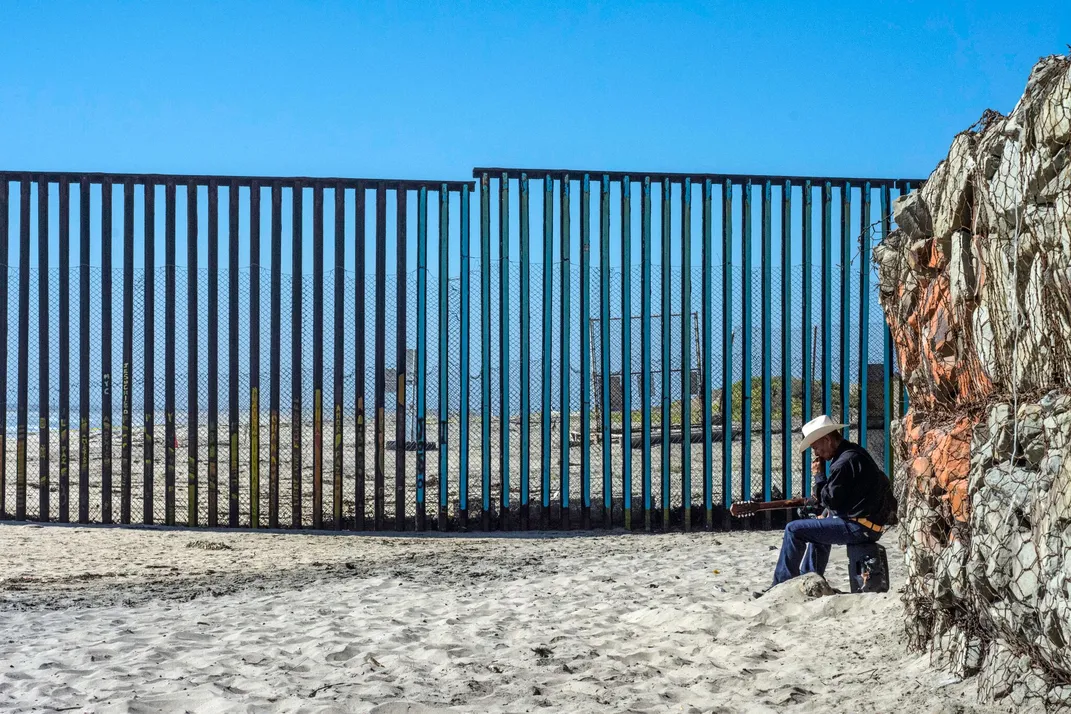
x: 856, y: 496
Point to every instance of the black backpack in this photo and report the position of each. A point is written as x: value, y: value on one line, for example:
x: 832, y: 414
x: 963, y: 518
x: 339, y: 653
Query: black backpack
x: 887, y: 513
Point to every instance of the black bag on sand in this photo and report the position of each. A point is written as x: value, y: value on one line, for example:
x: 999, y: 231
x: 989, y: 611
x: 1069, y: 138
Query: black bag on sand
x: 868, y: 568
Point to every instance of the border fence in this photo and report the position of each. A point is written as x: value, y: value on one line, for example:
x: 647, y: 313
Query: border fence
x: 583, y: 349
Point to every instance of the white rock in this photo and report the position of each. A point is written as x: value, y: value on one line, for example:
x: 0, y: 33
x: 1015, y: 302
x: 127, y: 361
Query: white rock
x: 1023, y: 584
x: 1001, y: 431
x: 961, y: 274
x: 1058, y: 699
x: 1013, y: 486
x: 951, y: 574
x: 912, y: 216
x: 946, y: 191
x: 1054, y: 117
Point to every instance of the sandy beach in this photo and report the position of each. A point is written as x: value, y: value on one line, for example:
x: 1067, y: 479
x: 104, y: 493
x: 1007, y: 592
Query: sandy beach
x: 143, y: 620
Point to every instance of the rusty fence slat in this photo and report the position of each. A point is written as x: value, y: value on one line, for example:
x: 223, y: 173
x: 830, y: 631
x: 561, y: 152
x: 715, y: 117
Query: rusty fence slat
x: 666, y: 363
x: 380, y: 354
x: 254, y: 354
x: 708, y: 344
x: 44, y: 432
x: 275, y: 353
x: 192, y: 436
x: 23, y: 367
x: 317, y: 357
x: 727, y: 349
x: 766, y: 288
x: 360, y: 218
x: 585, y: 351
x: 485, y: 351
x: 604, y: 351
x: 645, y: 347
x: 444, y: 352
x: 339, y: 355
x: 564, y: 396
x: 149, y: 416
x: 64, y: 343
x: 746, y: 313
x: 767, y: 343
x: 296, y: 286
x: 400, y: 364
x: 232, y: 357
x: 359, y: 255
x: 422, y: 356
x: 525, y: 337
x: 105, y: 352
x: 83, y: 354
x: 463, y: 440
x: 845, y: 304
x: 686, y: 352
x: 546, y: 425
x: 212, y: 346
x: 786, y: 339
x: 864, y: 310
x: 169, y: 353
x: 827, y: 297
x: 503, y: 354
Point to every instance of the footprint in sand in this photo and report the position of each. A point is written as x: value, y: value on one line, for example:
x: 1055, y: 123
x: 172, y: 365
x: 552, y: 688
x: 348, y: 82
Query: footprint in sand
x: 343, y: 655
x: 636, y: 658
x: 401, y: 708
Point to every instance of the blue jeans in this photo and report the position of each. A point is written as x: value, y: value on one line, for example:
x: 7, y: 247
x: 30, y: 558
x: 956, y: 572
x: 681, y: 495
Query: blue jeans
x: 809, y: 540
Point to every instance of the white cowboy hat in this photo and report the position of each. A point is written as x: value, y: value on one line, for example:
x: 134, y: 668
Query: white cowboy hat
x: 815, y: 429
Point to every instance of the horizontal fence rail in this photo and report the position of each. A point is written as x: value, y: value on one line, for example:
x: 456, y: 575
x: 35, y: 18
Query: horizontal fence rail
x: 533, y: 349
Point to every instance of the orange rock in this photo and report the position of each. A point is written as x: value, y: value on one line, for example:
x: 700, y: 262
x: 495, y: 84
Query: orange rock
x: 933, y: 337
x: 957, y: 499
x: 940, y: 459
x: 912, y: 429
x: 921, y: 474
x: 938, y: 258
x: 951, y: 458
x: 931, y: 436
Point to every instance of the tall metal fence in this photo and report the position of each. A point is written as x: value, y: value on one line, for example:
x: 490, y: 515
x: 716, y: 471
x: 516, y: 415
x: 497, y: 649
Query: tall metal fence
x: 578, y: 348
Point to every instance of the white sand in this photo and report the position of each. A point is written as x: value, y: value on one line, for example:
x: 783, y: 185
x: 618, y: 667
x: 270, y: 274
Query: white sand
x: 104, y: 619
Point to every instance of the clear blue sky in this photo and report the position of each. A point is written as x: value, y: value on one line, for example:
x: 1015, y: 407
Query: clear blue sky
x: 428, y: 90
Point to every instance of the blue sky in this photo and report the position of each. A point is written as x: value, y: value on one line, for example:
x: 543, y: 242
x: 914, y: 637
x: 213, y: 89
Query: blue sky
x: 429, y: 90
x: 421, y: 89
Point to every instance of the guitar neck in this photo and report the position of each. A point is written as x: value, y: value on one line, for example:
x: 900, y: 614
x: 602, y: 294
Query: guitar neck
x: 779, y: 505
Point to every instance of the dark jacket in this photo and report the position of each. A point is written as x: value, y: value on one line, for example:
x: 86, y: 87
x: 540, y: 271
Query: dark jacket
x: 856, y: 487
